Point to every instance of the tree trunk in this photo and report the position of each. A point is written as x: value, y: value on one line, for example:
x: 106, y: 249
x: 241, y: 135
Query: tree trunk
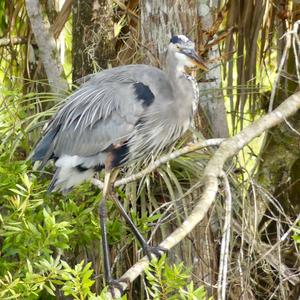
x: 47, y: 47
x: 213, y: 111
x: 160, y: 20
x: 93, y: 36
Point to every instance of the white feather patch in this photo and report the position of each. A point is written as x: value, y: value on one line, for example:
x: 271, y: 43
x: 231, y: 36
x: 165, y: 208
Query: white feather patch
x: 183, y: 38
x: 71, y: 161
x: 183, y: 61
x: 69, y: 176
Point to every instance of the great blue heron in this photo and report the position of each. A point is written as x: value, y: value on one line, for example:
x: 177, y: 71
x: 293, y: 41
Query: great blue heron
x: 118, y: 116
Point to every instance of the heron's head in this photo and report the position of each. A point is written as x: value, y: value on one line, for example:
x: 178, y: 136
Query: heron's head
x: 184, y: 53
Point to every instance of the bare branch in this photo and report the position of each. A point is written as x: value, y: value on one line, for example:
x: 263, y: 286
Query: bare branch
x: 284, y: 236
x: 291, y: 127
x: 223, y: 267
x: 162, y: 160
x: 267, y: 255
x: 13, y: 41
x: 61, y: 18
x: 47, y: 47
x: 127, y: 10
x: 212, y: 171
x: 281, y: 65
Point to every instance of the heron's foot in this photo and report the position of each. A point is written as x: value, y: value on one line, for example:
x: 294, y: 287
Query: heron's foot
x: 154, y: 251
x: 117, y: 284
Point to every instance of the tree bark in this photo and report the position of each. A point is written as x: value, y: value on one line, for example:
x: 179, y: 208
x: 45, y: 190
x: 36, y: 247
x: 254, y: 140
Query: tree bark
x: 93, y: 36
x: 47, y: 47
x: 160, y: 20
x: 211, y: 99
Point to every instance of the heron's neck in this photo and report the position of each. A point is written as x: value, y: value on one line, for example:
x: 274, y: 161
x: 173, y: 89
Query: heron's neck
x: 175, y: 71
x: 185, y: 85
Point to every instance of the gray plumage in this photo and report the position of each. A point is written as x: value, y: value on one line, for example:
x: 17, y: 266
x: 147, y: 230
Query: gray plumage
x: 121, y: 114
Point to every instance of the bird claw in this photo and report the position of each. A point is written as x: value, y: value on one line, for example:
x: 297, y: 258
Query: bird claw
x: 154, y: 252
x: 116, y: 284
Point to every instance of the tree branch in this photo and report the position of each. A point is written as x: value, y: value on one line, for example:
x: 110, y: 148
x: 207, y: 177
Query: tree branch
x: 61, y: 18
x: 212, y: 171
x: 264, y: 250
x: 12, y: 41
x: 47, y: 47
x: 162, y: 160
x: 224, y: 254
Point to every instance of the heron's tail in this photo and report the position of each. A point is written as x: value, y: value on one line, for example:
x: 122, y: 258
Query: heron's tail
x: 73, y: 170
x: 65, y: 178
x: 44, y: 149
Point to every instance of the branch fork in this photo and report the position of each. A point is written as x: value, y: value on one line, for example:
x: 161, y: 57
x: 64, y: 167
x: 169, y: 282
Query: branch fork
x: 213, y: 171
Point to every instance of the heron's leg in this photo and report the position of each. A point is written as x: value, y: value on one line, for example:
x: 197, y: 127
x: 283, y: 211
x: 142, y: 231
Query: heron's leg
x: 108, y: 182
x: 148, y: 250
x: 103, y: 216
x: 128, y: 220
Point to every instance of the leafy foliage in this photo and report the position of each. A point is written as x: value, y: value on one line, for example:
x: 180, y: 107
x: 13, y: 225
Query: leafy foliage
x: 39, y: 234
x: 171, y: 282
x: 296, y: 236
x: 46, y: 277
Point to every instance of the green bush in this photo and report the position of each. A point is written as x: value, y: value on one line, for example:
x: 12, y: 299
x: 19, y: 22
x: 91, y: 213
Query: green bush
x: 171, y: 282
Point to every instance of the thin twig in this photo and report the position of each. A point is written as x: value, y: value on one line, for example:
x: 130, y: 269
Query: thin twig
x: 280, y: 273
x: 291, y: 127
x: 296, y: 43
x: 284, y: 236
x: 270, y: 258
x: 5, y: 41
x: 282, y: 63
x: 127, y: 10
x: 223, y: 267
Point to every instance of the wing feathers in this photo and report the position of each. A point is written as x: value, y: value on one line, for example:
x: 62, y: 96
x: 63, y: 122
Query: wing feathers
x: 106, y: 109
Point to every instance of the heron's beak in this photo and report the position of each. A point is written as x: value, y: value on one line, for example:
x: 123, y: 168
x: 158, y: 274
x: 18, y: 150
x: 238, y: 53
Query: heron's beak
x: 195, y: 58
